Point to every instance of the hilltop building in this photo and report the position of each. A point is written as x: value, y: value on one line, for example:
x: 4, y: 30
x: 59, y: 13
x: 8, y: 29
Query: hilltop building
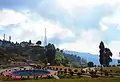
x: 5, y: 43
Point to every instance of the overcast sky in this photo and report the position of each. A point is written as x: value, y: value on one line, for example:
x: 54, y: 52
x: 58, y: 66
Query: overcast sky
x: 77, y: 25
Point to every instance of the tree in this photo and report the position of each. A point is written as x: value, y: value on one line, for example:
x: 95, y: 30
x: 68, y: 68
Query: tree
x: 30, y: 42
x: 45, y: 61
x: 118, y: 62
x: 108, y: 55
x: 105, y: 55
x: 58, y: 49
x: 102, y: 48
x: 59, y: 57
x: 39, y: 42
x: 90, y: 64
x: 50, y: 53
x: 61, y: 51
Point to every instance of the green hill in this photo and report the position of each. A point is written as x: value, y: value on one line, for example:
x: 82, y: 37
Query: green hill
x: 37, y: 54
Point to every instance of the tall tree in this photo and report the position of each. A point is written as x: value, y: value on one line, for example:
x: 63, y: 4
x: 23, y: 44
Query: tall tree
x: 105, y: 55
x: 102, y: 48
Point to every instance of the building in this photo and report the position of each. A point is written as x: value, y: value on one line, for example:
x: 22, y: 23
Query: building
x: 1, y: 43
x: 24, y: 44
x: 5, y: 43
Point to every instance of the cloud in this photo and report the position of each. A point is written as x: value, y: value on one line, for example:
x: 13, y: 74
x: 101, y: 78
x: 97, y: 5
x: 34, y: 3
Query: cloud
x: 113, y: 18
x: 87, y: 41
x: 32, y: 26
x: 10, y: 17
x: 1, y: 28
x: 114, y: 46
x: 72, y: 4
x: 110, y: 24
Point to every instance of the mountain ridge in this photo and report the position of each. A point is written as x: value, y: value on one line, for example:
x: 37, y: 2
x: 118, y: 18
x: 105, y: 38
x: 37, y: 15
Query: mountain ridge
x: 89, y: 57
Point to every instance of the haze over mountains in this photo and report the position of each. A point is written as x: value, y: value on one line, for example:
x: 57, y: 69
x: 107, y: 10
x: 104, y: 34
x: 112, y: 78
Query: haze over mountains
x: 90, y: 57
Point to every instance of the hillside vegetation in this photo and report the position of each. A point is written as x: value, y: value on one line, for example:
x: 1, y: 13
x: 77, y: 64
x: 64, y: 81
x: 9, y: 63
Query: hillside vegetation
x: 38, y: 54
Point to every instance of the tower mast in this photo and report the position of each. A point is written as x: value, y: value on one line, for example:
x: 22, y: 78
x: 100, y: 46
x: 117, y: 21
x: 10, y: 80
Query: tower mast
x: 45, y: 38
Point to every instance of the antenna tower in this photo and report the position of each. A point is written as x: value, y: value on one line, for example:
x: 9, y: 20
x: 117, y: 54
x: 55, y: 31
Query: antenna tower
x: 45, y: 38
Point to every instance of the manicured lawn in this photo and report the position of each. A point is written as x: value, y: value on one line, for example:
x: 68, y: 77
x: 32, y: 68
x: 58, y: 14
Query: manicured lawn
x: 75, y: 80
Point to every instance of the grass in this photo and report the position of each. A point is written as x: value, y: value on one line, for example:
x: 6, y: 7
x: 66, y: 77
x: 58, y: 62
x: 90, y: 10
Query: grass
x: 75, y: 80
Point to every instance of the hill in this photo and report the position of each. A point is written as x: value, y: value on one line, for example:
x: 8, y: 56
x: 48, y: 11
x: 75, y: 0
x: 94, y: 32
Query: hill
x: 89, y: 57
x: 27, y: 53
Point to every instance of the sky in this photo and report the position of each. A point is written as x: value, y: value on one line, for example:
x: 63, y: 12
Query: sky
x: 77, y: 25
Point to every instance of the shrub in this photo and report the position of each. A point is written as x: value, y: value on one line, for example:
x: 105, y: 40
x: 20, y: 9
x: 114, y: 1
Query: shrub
x: 48, y: 77
x: 69, y: 70
x: 82, y: 71
x: 113, y: 65
x: 101, y: 73
x: 75, y: 70
x: 110, y: 66
x: 62, y: 72
x: 60, y: 69
x: 93, y: 74
x: 59, y: 72
x: 118, y: 65
x: 71, y: 73
x: 53, y: 68
x: 101, y: 69
x: 110, y: 70
x: 65, y: 71
x: 56, y: 69
x: 61, y: 76
x: 106, y: 73
x: 79, y: 74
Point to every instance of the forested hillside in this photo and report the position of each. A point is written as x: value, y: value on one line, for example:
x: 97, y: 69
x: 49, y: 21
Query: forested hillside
x: 39, y: 54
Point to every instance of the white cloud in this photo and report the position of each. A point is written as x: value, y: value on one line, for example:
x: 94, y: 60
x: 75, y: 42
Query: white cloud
x: 10, y: 17
x: 114, y: 18
x: 88, y: 42
x: 1, y: 28
x: 72, y: 4
x: 115, y: 48
x: 103, y: 26
x: 32, y: 26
